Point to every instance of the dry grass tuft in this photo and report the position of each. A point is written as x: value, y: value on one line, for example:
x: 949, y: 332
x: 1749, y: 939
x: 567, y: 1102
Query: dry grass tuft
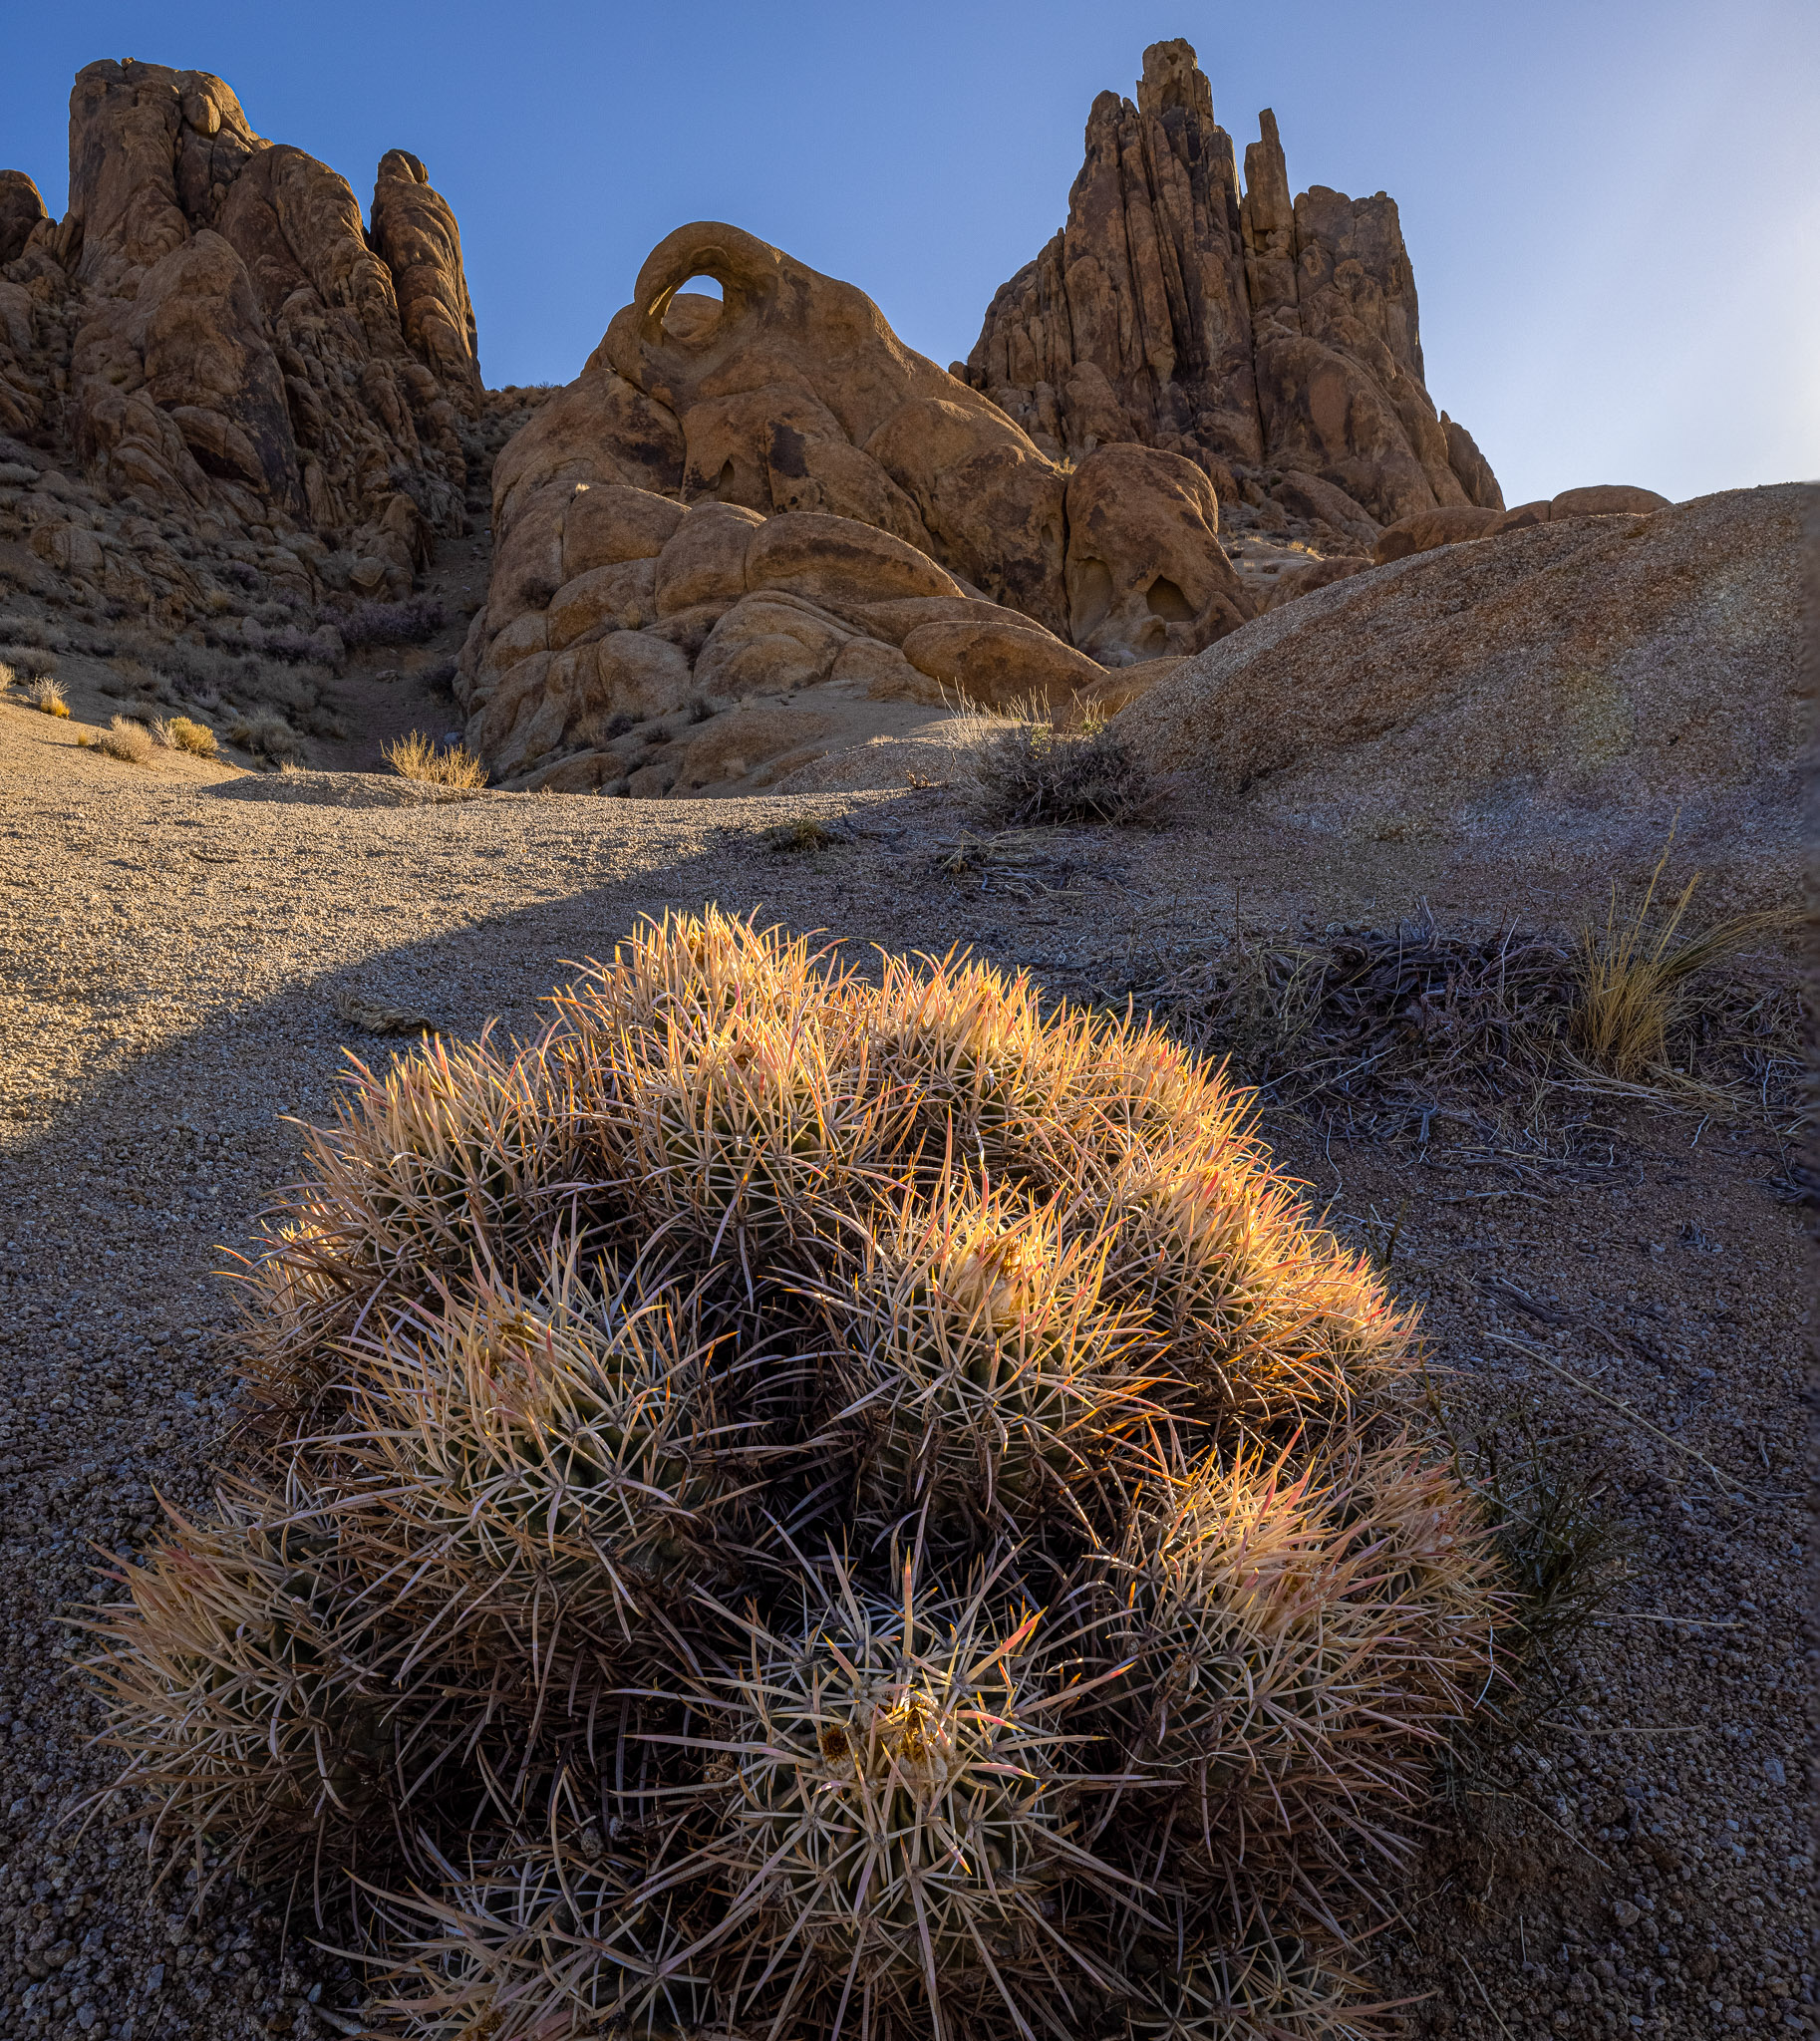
x: 130, y: 741
x: 1412, y: 1014
x: 1347, y: 1010
x: 415, y: 757
x: 47, y: 696
x: 798, y: 1505
x: 187, y: 734
x: 1036, y: 772
x: 1636, y: 992
x: 805, y: 833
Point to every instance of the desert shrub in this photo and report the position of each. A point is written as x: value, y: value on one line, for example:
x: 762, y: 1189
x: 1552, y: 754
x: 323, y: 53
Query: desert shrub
x: 268, y: 735
x: 47, y: 696
x: 791, y: 1503
x: 292, y: 642
x: 35, y: 634
x: 415, y: 757
x: 28, y: 662
x: 1026, y: 772
x: 131, y: 743
x: 185, y: 733
x: 410, y: 622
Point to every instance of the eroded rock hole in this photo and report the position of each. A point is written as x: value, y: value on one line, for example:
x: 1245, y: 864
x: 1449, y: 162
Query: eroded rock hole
x: 695, y: 310
x: 1168, y: 602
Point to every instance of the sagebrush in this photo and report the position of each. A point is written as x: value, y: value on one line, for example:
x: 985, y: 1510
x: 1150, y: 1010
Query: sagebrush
x: 791, y: 1505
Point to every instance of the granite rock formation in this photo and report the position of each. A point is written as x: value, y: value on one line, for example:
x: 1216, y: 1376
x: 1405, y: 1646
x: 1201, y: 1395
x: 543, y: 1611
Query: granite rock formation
x: 210, y: 342
x: 770, y: 492
x: 1271, y: 339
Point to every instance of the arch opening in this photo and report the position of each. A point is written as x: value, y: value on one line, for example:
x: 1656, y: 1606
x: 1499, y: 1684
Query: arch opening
x: 694, y: 309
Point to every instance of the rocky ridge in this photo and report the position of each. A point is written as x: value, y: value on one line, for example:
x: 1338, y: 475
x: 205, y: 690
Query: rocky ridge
x: 220, y: 364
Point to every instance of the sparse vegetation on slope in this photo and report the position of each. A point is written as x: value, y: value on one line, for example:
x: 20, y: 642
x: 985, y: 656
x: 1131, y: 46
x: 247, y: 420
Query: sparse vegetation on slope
x: 789, y: 1505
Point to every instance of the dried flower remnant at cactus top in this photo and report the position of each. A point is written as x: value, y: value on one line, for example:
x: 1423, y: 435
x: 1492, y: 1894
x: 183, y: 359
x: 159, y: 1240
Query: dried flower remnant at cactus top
x: 793, y: 1505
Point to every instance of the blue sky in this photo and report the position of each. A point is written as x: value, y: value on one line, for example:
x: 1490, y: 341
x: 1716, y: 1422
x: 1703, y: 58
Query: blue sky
x: 1613, y: 207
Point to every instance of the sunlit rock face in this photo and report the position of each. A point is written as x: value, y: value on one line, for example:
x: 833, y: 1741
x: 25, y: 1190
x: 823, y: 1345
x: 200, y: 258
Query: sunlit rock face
x: 1271, y: 340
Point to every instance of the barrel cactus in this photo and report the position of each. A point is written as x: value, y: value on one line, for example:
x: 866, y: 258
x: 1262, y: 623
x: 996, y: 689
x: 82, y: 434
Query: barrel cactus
x: 805, y: 1503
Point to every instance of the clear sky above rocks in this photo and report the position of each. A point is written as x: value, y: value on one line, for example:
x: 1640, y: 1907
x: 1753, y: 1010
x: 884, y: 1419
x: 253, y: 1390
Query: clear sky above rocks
x: 1613, y: 210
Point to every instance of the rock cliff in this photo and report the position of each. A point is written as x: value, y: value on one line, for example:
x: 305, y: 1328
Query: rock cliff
x: 210, y: 336
x: 1271, y: 339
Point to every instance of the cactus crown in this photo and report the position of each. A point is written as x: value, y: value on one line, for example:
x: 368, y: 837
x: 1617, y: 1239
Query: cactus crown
x: 795, y: 1503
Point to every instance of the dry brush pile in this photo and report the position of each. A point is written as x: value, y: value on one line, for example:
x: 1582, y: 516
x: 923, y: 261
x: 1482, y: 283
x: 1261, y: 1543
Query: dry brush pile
x: 792, y: 1506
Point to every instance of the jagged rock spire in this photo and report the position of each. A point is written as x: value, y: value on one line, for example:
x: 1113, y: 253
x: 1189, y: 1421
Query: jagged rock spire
x: 1257, y: 334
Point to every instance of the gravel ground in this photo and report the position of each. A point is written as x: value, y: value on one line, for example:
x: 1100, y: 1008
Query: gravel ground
x: 171, y: 942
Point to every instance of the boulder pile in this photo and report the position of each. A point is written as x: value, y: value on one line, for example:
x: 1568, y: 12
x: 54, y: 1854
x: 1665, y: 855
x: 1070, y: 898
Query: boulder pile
x: 768, y: 492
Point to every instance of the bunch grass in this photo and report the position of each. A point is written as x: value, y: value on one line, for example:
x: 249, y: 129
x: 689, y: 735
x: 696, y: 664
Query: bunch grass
x: 46, y: 694
x: 415, y: 756
x: 1635, y: 980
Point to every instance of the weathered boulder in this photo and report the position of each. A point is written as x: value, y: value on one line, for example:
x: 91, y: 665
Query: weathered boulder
x: 1608, y: 499
x: 550, y: 704
x: 1565, y: 691
x: 1427, y: 529
x: 598, y: 429
x: 1317, y: 574
x: 834, y: 559
x: 1602, y: 501
x: 1145, y: 573
x: 1242, y: 331
x: 770, y: 643
x: 704, y: 558
x: 895, y: 621
x: 607, y: 524
x: 1519, y: 517
x: 738, y: 745
x: 21, y: 209
x: 622, y: 597
x: 998, y: 665
x: 1307, y: 496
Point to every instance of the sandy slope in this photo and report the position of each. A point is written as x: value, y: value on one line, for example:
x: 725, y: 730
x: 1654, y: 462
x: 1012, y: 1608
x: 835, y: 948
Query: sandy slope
x: 172, y: 939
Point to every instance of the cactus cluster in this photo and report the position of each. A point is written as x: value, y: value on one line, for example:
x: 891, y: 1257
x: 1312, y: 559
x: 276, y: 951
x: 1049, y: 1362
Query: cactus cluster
x: 805, y: 1504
